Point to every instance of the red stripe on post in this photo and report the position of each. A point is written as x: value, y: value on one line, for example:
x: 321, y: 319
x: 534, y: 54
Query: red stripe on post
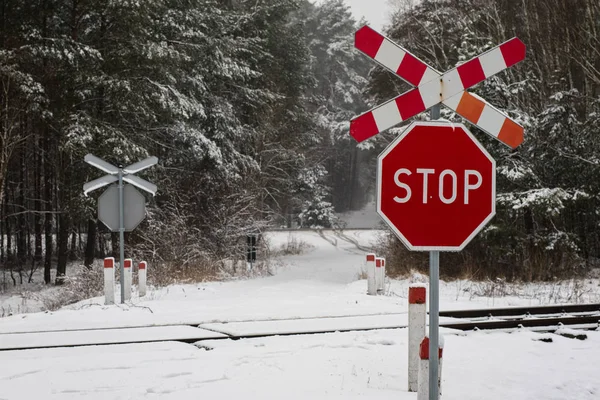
x: 383, y: 262
x: 127, y: 263
x: 109, y: 262
x: 410, y: 104
x: 417, y: 295
x: 411, y: 69
x: 471, y: 73
x: 368, y: 41
x: 424, y: 350
x: 378, y: 262
x: 142, y: 265
x: 363, y: 127
x: 371, y: 257
x: 513, y: 51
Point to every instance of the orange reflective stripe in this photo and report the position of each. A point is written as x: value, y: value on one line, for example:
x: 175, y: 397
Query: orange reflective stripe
x: 511, y: 133
x: 470, y: 107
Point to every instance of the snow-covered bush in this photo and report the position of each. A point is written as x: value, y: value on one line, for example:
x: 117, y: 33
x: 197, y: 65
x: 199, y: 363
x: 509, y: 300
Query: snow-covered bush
x: 317, y: 214
x: 83, y: 283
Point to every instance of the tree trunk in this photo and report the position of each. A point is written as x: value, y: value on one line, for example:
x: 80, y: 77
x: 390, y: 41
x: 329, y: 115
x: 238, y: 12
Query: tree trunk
x: 48, y: 208
x: 63, y: 247
x: 90, y: 248
x: 2, y: 229
x: 8, y: 233
x: 21, y: 217
x: 101, y: 249
x: 114, y: 240
x: 37, y: 218
x: 73, y: 247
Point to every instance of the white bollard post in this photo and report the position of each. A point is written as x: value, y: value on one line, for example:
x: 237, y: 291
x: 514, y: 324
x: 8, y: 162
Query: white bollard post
x: 424, y: 369
x: 142, y: 267
x: 371, y: 285
x: 383, y: 275
x: 417, y: 315
x: 379, y: 274
x: 109, y: 280
x: 127, y: 274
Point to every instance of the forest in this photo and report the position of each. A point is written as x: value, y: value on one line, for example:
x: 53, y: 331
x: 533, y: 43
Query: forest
x: 547, y: 208
x: 247, y: 104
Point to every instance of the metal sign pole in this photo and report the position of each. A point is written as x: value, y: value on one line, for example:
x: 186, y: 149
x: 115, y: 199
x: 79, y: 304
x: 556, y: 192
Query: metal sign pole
x: 434, y: 322
x: 121, y: 234
x: 434, y: 308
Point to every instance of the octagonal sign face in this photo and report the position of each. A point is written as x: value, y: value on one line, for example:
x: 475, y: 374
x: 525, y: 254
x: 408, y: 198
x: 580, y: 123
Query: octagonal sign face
x: 134, y: 210
x: 436, y: 186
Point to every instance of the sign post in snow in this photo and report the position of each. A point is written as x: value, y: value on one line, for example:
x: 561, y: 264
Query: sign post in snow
x: 121, y: 208
x: 430, y: 192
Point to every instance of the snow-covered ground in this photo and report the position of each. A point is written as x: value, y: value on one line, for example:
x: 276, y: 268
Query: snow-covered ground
x: 355, y: 365
x: 322, y: 281
x: 30, y: 296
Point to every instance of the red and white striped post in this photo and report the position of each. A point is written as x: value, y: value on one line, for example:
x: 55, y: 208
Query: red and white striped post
x: 142, y: 267
x: 379, y: 274
x: 109, y: 280
x: 417, y: 315
x: 424, y: 369
x: 371, y: 284
x: 127, y: 273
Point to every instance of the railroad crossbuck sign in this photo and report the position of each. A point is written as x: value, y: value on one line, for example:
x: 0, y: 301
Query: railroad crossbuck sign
x: 436, y: 186
x: 109, y: 203
x: 432, y: 88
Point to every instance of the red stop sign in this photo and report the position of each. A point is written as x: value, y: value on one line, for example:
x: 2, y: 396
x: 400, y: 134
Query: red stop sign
x: 436, y: 186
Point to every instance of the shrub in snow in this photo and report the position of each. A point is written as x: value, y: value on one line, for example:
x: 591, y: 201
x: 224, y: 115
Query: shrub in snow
x: 317, y: 215
x: 83, y: 283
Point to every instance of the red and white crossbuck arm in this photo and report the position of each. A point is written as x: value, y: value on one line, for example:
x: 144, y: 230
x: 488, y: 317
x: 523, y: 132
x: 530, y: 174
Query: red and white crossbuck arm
x: 433, y: 88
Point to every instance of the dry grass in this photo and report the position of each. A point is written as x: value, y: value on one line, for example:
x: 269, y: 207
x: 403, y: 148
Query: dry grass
x: 292, y: 247
x: 362, y: 274
x: 482, y: 262
x: 83, y: 284
x: 167, y: 273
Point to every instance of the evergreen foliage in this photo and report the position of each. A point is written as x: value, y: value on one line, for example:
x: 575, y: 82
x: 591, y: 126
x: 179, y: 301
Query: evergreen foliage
x: 234, y: 97
x: 547, y: 218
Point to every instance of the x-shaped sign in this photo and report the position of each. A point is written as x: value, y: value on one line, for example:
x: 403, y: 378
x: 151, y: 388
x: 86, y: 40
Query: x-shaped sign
x: 113, y: 171
x: 432, y: 88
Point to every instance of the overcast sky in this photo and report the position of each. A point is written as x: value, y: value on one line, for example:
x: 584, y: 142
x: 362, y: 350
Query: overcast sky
x: 375, y: 11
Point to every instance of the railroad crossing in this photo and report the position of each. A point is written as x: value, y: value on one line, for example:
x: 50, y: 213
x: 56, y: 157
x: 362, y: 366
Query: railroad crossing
x: 433, y: 88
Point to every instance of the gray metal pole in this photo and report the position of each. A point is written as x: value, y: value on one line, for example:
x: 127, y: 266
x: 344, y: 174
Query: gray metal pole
x: 435, y: 112
x: 121, y: 235
x: 434, y: 322
x: 434, y: 308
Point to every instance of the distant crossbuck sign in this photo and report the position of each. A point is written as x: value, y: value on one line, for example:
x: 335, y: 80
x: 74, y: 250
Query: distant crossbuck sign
x: 432, y: 88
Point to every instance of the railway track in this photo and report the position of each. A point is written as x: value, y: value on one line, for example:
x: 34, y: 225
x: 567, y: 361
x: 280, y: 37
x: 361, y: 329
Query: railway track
x: 540, y: 318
